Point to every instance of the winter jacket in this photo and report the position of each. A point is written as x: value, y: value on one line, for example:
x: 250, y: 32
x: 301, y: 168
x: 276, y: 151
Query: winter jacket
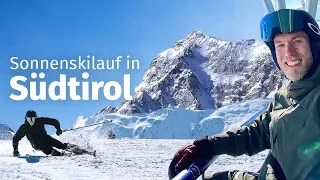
x: 35, y: 132
x: 290, y: 128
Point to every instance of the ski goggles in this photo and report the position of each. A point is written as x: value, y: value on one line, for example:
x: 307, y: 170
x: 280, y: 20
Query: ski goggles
x: 281, y: 21
x: 31, y: 120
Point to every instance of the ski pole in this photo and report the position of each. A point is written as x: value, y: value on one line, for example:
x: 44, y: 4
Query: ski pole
x: 87, y: 126
x: 200, y: 166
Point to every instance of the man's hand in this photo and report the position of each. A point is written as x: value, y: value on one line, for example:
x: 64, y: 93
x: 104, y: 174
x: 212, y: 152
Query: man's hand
x: 201, y: 148
x: 16, y: 153
x: 59, y: 131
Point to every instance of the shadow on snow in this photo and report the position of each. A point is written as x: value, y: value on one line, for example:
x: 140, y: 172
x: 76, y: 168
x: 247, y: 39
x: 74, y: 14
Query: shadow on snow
x: 32, y: 159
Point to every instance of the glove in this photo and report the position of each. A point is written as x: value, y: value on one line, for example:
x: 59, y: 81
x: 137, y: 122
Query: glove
x: 15, y: 148
x: 58, y: 132
x: 16, y: 153
x: 201, y: 148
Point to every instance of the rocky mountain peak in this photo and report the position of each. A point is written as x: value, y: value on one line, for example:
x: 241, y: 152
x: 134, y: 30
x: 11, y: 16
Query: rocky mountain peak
x: 6, y: 133
x: 202, y: 72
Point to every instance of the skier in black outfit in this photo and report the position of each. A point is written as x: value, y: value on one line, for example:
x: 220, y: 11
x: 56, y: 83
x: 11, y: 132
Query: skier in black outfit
x: 33, y: 128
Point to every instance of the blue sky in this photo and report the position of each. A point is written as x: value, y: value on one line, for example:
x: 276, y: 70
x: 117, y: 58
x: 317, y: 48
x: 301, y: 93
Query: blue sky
x: 105, y: 29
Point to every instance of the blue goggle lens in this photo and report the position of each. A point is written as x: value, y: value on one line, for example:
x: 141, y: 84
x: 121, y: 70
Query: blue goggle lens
x: 282, y: 21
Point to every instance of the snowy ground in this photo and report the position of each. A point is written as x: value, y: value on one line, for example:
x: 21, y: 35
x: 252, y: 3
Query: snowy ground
x: 135, y: 159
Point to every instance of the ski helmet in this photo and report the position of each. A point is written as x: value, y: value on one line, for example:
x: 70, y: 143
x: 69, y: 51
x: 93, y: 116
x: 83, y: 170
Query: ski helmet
x: 30, y: 117
x: 289, y: 21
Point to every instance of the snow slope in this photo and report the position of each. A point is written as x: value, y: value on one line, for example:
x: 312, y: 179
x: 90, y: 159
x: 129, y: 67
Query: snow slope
x: 134, y: 159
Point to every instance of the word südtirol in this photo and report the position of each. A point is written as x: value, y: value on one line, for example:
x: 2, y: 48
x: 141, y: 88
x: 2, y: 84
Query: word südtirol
x: 69, y: 87
x: 72, y: 85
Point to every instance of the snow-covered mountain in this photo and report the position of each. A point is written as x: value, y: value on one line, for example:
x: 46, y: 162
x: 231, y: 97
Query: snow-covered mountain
x: 201, y: 72
x: 168, y: 123
x: 6, y: 133
x: 187, y: 90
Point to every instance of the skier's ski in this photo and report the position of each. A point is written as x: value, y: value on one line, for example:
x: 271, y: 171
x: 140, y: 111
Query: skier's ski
x: 30, y: 156
x: 78, y: 150
x: 93, y: 153
x: 63, y: 153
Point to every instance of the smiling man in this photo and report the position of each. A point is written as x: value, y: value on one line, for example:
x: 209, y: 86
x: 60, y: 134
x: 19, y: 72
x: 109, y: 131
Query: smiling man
x: 290, y: 127
x: 293, y: 54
